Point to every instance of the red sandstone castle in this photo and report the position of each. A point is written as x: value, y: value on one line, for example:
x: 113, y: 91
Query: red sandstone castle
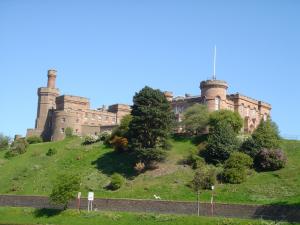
x: 57, y: 112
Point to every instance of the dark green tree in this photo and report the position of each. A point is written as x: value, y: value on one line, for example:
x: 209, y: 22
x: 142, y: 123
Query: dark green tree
x: 222, y: 141
x: 232, y: 118
x: 152, y: 121
x: 195, y: 118
x: 65, y: 189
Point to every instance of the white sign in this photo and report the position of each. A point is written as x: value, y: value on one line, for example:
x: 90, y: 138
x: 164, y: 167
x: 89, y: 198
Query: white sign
x: 91, y: 196
x: 79, y: 195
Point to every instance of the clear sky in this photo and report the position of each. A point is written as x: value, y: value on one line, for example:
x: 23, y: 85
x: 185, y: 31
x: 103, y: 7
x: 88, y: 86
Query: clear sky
x: 108, y: 50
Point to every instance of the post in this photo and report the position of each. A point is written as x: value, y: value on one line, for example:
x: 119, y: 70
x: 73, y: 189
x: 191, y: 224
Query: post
x: 78, y: 200
x: 212, y: 200
x: 198, y: 203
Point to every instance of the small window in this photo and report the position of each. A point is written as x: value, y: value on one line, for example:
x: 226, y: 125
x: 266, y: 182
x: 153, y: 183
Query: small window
x: 76, y: 131
x: 217, y: 103
x: 62, y: 130
x: 265, y: 117
x: 63, y: 120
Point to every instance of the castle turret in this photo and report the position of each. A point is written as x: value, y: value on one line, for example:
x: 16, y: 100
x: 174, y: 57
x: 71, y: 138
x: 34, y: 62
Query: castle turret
x: 46, y: 106
x: 214, y: 93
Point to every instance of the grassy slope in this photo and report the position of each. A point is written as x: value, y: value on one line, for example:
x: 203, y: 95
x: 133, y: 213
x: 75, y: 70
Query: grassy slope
x: 31, y: 216
x: 33, y: 173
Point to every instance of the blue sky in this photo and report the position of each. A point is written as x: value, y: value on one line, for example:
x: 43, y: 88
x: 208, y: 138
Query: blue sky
x: 108, y: 50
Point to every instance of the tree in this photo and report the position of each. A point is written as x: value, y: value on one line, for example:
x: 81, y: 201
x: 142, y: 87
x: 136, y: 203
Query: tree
x: 232, y: 118
x: 195, y: 118
x: 4, y: 141
x: 222, y: 141
x: 152, y: 122
x: 266, y: 135
x: 65, y: 189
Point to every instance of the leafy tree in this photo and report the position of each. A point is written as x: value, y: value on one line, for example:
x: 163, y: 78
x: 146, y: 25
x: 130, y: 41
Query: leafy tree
x: 232, y: 118
x: 239, y: 160
x: 222, y: 141
x: 266, y: 135
x: 4, y: 142
x: 152, y: 122
x: 195, y: 118
x: 65, y: 189
x: 270, y: 160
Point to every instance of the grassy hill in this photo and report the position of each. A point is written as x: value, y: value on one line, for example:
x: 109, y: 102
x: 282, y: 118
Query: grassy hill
x: 33, y: 173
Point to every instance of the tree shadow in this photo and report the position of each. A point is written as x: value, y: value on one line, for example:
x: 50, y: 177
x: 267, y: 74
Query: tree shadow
x: 114, y: 162
x: 47, y: 212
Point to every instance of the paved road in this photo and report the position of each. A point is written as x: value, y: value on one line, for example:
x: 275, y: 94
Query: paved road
x: 274, y: 212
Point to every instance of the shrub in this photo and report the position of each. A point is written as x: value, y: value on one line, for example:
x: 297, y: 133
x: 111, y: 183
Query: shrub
x: 194, y: 161
x: 120, y: 144
x: 51, y: 151
x: 34, y: 139
x: 69, y: 132
x: 90, y: 139
x: 4, y: 142
x: 270, y: 160
x: 18, y: 147
x: 139, y: 167
x: 250, y: 147
x: 238, y: 160
x: 117, y: 180
x: 204, y: 178
x: 65, y: 189
x: 104, y: 136
x: 222, y: 141
x: 234, y: 175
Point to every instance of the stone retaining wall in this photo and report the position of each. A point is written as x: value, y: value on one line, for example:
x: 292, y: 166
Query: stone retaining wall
x: 274, y: 212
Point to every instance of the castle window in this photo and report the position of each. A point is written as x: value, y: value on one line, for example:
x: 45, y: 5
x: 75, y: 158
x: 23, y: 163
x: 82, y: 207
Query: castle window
x: 248, y: 110
x: 217, y: 103
x: 265, y: 117
x: 62, y: 130
x: 76, y: 131
x: 63, y: 120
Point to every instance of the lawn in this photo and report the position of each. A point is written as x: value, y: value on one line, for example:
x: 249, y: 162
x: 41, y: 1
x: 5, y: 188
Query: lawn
x: 33, y: 173
x: 13, y: 216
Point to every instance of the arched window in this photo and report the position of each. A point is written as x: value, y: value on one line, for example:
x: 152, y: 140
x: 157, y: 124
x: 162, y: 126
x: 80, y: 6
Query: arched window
x: 217, y: 103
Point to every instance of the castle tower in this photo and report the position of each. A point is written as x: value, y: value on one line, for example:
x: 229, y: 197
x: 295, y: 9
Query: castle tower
x: 46, y: 106
x: 213, y: 93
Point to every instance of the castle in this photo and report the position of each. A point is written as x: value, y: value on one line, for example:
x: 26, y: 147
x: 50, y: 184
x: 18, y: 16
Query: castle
x: 57, y: 112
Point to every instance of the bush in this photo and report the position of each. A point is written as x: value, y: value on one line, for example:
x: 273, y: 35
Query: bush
x: 9, y: 154
x: 139, y: 167
x: 120, y: 144
x: 250, y: 147
x: 238, y: 160
x: 18, y: 147
x: 222, y: 141
x: 65, y: 189
x: 117, y: 180
x: 104, y: 136
x: 270, y: 160
x: 4, y: 142
x: 34, y: 139
x: 194, y: 161
x: 204, y: 178
x: 51, y: 151
x: 90, y: 139
x: 69, y: 132
x: 234, y: 175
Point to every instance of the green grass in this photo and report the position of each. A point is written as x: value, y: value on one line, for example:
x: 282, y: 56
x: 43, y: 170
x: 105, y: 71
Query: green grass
x: 33, y: 173
x: 13, y: 216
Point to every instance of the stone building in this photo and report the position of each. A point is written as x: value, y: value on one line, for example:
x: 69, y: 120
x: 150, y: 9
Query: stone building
x: 214, y: 95
x: 57, y: 112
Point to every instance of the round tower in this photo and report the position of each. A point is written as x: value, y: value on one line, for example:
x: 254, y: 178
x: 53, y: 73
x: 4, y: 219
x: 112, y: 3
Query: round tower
x: 51, y: 78
x: 214, y: 94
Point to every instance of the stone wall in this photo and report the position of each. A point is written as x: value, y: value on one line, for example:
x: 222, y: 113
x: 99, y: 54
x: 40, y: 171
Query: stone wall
x: 273, y: 212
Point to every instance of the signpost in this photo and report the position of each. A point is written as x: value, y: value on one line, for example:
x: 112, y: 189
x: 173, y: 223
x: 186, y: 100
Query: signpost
x: 78, y: 200
x: 212, y: 200
x: 90, y: 201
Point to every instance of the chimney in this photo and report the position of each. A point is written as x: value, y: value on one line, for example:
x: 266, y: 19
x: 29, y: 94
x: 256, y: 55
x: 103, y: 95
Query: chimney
x: 51, y: 78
